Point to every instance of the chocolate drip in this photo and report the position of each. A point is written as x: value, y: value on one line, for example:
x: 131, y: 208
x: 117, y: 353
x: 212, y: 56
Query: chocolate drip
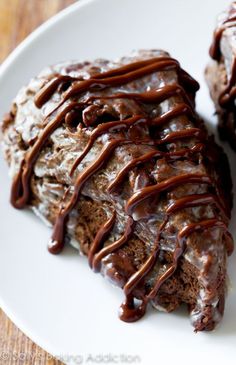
x: 64, y: 112
x: 194, y: 227
x: 147, y: 157
x: 186, y: 133
x: 181, y: 246
x: 102, y: 129
x: 229, y: 93
x: 154, y: 96
x: 126, y: 74
x: 197, y: 200
x: 228, y: 22
x: 182, y: 203
x: 113, y: 246
x: 57, y: 241
x: 48, y: 90
x: 177, y: 111
x: 131, y: 313
x: 125, y: 124
x: 147, y: 266
x: 20, y: 192
x: 166, y: 185
x: 100, y: 238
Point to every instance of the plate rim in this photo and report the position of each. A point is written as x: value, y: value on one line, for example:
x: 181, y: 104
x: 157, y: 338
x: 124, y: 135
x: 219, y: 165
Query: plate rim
x: 9, y: 60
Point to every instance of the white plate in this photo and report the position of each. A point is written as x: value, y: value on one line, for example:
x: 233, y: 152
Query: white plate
x: 57, y: 300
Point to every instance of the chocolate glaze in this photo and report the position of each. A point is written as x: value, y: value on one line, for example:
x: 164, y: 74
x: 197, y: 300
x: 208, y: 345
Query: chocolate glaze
x: 20, y: 194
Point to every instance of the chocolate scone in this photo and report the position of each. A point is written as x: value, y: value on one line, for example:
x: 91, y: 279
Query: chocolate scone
x: 221, y: 74
x: 114, y: 156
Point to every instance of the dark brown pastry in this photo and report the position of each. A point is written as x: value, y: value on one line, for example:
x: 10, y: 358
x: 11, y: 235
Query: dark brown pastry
x: 113, y: 155
x: 221, y: 74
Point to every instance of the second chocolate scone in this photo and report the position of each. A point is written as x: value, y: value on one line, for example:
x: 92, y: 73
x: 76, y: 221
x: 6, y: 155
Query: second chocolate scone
x: 114, y: 156
x: 221, y: 74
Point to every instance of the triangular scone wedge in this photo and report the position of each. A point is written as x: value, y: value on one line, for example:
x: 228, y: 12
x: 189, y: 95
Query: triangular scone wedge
x: 114, y: 156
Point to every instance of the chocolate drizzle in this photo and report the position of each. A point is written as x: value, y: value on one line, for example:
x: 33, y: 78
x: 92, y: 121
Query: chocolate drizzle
x: 20, y: 195
x: 171, y: 183
x: 227, y: 96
